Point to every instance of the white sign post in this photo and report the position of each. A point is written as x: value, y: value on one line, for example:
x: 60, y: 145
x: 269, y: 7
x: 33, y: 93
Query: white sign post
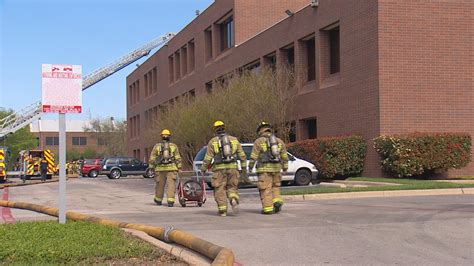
x: 62, y: 93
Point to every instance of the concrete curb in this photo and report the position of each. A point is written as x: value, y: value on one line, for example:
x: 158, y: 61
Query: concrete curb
x: 219, y: 255
x: 27, y: 184
x: 375, y: 194
x: 181, y: 253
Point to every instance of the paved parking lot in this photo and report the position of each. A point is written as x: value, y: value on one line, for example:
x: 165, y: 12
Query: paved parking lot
x: 435, y: 230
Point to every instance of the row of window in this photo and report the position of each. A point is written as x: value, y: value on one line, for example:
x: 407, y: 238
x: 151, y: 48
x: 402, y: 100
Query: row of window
x: 151, y: 82
x: 76, y: 141
x: 134, y: 92
x: 181, y: 62
x: 134, y: 125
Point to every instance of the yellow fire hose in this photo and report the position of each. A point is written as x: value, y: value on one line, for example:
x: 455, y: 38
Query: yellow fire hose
x: 219, y: 255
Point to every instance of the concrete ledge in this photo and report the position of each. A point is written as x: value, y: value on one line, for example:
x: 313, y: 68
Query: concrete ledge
x: 181, y: 253
x: 375, y: 194
x: 468, y: 190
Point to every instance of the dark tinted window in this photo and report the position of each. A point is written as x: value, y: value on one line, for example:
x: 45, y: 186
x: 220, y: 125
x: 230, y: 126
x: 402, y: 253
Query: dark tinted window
x: 111, y: 161
x: 136, y: 161
x: 200, y: 155
x: 247, y: 150
x: 124, y: 161
x: 89, y: 162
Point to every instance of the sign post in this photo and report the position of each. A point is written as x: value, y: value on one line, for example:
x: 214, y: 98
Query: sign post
x: 62, y: 93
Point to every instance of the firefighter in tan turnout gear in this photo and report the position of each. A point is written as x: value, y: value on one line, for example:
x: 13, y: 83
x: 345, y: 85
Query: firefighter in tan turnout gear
x: 270, y: 155
x: 223, y: 151
x: 166, y: 161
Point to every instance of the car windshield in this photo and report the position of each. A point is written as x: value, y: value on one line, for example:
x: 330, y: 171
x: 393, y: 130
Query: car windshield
x: 200, y: 155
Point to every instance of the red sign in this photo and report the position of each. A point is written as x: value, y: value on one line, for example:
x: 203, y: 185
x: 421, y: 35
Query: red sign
x: 61, y: 88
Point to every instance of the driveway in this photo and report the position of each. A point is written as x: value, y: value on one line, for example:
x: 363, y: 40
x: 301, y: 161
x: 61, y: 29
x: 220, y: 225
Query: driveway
x: 435, y: 230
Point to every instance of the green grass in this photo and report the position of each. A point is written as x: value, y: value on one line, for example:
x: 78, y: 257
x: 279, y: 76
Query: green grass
x: 75, y: 242
x: 404, y: 184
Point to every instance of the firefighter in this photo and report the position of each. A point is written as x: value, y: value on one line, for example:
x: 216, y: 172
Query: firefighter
x: 166, y: 161
x: 223, y: 151
x: 270, y: 156
x: 43, y: 169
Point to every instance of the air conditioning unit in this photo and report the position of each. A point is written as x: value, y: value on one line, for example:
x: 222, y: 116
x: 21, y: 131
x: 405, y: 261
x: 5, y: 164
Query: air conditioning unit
x: 314, y: 3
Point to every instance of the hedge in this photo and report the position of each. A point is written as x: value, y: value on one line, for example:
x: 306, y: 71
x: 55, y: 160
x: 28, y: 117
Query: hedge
x: 423, y: 153
x: 334, y: 157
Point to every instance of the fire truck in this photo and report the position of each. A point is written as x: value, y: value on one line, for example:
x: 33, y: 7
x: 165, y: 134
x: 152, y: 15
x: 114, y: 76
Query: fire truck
x: 31, y: 159
x: 3, y: 166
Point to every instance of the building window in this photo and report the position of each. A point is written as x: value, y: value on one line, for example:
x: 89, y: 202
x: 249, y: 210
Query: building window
x: 52, y: 141
x: 101, y: 141
x: 270, y: 61
x: 209, y: 87
x: 208, y: 43
x: 334, y: 47
x: 184, y: 60
x: 155, y: 81
x: 310, y: 59
x: 292, y: 131
x: 171, y: 69
x: 145, y: 78
x: 79, y: 141
x: 311, y: 128
x: 253, y: 67
x: 191, y: 55
x: 177, y: 65
x: 227, y: 34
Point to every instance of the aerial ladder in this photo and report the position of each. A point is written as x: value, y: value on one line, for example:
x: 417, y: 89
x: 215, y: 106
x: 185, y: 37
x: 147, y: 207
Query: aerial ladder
x: 17, y: 120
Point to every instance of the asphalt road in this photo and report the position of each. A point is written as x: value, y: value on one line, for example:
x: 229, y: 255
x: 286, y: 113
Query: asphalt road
x: 424, y: 230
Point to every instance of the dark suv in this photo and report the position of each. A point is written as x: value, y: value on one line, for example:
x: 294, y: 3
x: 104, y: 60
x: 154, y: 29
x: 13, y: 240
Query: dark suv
x: 116, y: 167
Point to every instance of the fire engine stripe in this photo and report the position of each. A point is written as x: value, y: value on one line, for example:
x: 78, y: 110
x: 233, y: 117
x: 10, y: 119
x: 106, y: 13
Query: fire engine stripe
x: 48, y: 157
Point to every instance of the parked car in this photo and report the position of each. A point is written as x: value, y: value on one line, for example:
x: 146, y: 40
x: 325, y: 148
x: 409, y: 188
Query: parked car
x: 116, y: 167
x: 300, y: 172
x: 91, y: 167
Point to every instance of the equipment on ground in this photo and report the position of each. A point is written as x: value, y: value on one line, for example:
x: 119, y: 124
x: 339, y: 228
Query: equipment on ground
x: 191, y: 188
x: 17, y: 120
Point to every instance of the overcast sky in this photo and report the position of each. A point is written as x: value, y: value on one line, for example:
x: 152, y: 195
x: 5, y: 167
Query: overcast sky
x: 91, y: 33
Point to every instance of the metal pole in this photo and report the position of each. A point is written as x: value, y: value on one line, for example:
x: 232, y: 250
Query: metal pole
x: 62, y: 168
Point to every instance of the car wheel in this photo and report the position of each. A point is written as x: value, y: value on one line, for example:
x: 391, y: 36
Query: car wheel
x: 303, y: 177
x: 150, y: 173
x: 93, y: 173
x: 115, y: 174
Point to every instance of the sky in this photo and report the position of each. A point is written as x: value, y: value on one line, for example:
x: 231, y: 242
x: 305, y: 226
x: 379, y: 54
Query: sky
x: 91, y: 33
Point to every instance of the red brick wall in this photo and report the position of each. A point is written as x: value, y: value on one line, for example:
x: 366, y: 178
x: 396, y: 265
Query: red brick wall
x: 426, y: 67
x: 252, y: 17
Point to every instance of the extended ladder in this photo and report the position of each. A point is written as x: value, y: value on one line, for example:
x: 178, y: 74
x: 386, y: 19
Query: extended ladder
x: 19, y: 119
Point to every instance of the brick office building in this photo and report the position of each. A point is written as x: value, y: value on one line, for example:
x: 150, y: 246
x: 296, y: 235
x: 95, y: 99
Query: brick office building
x: 368, y: 67
x: 77, y: 139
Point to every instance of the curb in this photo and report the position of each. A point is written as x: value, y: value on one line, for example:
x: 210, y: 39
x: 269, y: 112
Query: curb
x: 183, y: 254
x: 219, y: 255
x: 377, y: 194
x: 27, y: 184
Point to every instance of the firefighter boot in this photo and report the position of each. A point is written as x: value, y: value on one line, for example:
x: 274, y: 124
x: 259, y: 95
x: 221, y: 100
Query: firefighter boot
x: 277, y: 206
x: 170, y: 204
x: 234, y: 202
x: 158, y: 202
x: 222, y: 213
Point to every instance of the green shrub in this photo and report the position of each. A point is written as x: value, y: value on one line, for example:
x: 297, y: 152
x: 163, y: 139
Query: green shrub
x: 335, y: 156
x: 423, y: 153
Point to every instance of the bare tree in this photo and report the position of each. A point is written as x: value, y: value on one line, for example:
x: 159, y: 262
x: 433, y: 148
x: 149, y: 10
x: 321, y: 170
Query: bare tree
x: 241, y: 99
x: 110, y: 133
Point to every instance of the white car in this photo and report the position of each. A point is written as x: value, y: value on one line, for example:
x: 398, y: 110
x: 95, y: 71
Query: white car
x: 300, y: 172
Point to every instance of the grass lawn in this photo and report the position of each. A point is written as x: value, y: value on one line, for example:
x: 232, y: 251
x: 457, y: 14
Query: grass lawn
x: 75, y: 242
x: 404, y: 184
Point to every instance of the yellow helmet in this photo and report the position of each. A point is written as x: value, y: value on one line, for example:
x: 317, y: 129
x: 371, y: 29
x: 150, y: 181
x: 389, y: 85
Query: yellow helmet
x: 165, y: 133
x: 219, y: 123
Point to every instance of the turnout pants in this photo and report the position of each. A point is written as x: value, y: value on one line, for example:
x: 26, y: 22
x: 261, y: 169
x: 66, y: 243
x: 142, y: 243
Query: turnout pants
x: 162, y: 178
x: 225, y: 183
x: 269, y: 186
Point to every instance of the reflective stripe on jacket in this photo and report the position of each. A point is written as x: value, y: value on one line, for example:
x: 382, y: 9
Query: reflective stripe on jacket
x: 213, y: 150
x: 260, y: 147
x: 159, y: 167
